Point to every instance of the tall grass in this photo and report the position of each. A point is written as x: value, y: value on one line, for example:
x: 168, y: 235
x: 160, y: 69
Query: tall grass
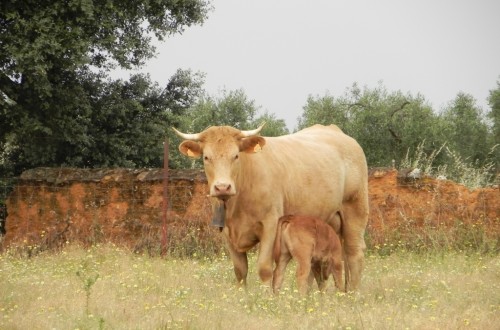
x: 135, y: 291
x: 198, y: 240
x: 186, y: 239
x: 474, y: 236
x: 471, y: 174
x: 421, y: 160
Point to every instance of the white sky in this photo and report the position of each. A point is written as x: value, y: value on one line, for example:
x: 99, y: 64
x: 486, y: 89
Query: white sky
x: 279, y: 52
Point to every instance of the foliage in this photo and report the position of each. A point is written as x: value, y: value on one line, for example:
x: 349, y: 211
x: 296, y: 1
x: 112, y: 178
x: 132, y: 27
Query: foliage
x: 423, y: 161
x: 494, y: 116
x: 456, y: 168
x: 385, y: 124
x: 471, y: 174
x: 132, y: 118
x: 465, y: 128
x: 273, y: 127
x: 391, y: 126
x: 40, y: 38
x: 231, y: 108
x: 53, y: 61
x: 110, y: 124
x: 59, y: 108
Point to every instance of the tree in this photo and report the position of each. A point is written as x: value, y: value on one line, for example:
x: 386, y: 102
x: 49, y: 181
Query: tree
x: 132, y: 118
x: 231, y: 108
x: 466, y: 128
x: 494, y: 116
x: 38, y: 36
x: 273, y: 127
x: 323, y: 110
x: 118, y: 123
x: 387, y: 125
x: 53, y: 57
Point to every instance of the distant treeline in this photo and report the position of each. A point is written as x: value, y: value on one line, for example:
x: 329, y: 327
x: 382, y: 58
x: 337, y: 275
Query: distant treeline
x: 59, y: 107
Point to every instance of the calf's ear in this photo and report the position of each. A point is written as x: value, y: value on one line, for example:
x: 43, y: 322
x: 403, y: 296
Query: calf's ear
x: 190, y: 148
x: 252, y: 144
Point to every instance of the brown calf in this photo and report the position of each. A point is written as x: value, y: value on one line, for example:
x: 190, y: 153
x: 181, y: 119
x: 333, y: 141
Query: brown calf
x: 314, y: 245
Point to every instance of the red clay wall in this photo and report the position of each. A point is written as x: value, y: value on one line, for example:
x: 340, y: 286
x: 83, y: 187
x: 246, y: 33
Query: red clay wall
x: 51, y: 206
x: 397, y: 201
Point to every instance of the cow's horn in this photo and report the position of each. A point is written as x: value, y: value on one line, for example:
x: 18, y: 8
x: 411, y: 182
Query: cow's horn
x: 253, y: 132
x: 192, y: 137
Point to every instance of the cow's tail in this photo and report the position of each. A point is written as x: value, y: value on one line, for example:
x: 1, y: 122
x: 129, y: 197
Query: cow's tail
x: 347, y: 272
x: 277, y: 239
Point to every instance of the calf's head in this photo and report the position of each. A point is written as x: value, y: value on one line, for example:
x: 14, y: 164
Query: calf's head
x: 220, y: 147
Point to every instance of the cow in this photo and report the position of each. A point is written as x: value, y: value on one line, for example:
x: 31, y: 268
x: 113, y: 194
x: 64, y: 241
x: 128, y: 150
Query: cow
x: 317, y: 171
x: 316, y: 248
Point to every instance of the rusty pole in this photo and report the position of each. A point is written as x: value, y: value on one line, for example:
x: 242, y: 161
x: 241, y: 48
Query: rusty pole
x: 164, y: 240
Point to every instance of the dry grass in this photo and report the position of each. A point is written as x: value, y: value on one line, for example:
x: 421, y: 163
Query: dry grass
x: 446, y: 290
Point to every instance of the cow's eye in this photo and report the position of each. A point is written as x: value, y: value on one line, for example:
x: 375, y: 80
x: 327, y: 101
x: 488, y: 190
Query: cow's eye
x: 205, y: 158
x: 236, y: 157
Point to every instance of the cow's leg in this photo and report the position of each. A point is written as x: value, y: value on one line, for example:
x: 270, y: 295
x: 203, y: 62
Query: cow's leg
x: 279, y: 271
x: 265, y: 259
x: 353, y: 230
x: 240, y: 263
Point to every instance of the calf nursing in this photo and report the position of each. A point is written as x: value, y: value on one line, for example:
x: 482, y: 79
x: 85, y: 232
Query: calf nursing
x: 259, y: 179
x: 316, y: 248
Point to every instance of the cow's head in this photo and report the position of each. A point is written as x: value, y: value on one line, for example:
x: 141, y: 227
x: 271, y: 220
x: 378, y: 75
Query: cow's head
x: 220, y: 147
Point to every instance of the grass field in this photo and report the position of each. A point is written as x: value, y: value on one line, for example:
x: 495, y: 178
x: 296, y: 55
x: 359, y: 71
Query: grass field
x: 112, y: 288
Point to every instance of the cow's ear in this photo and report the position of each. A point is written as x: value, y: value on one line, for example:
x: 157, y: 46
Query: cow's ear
x: 252, y: 144
x: 190, y: 148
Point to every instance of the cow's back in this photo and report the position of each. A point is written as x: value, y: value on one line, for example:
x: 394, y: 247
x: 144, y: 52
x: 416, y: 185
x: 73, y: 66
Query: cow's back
x: 308, y: 172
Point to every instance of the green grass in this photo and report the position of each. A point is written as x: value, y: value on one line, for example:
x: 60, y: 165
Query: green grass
x: 123, y: 290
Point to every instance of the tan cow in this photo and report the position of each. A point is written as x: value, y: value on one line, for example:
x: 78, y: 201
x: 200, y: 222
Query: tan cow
x: 317, y: 171
x: 315, y: 247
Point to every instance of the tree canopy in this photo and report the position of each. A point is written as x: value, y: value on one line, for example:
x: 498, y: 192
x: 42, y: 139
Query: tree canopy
x: 57, y: 103
x: 58, y: 106
x: 386, y: 124
x: 392, y: 125
x: 494, y: 116
x: 231, y: 108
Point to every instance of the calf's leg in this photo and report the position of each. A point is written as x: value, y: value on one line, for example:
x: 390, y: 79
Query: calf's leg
x: 320, y: 274
x: 337, y: 268
x: 279, y: 271
x: 303, y: 258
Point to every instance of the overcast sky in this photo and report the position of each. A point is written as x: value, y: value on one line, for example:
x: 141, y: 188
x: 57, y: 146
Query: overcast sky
x: 279, y: 52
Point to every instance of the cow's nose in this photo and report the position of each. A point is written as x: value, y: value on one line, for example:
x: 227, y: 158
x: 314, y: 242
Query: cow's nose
x: 223, y: 188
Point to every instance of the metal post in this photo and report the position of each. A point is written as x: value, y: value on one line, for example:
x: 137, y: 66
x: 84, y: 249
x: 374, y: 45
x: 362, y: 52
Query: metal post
x: 164, y: 239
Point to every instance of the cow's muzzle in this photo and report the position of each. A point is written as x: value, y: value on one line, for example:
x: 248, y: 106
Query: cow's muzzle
x: 222, y: 191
